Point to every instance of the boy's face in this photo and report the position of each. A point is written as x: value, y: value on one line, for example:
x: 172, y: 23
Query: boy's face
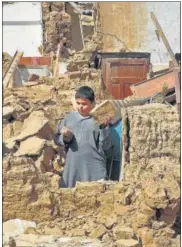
x: 84, y: 106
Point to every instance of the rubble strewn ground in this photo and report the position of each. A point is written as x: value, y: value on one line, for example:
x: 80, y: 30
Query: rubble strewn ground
x: 141, y: 210
x: 148, y: 204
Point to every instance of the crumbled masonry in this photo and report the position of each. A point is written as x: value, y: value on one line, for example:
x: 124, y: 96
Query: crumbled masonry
x: 141, y: 210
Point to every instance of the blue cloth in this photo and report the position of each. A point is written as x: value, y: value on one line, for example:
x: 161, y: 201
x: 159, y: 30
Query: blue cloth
x: 116, y: 136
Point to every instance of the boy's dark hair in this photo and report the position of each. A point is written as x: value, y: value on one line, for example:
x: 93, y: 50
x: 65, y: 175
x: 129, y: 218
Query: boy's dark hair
x: 85, y: 92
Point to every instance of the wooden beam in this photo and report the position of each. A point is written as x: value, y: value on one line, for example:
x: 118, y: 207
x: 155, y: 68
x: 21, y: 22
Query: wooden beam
x: 177, y: 85
x: 164, y: 39
x: 170, y: 98
x: 11, y: 68
x: 60, y: 45
x: 178, y: 90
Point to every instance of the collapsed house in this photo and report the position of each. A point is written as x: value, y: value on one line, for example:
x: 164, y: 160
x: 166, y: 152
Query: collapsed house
x: 146, y: 207
x: 141, y: 210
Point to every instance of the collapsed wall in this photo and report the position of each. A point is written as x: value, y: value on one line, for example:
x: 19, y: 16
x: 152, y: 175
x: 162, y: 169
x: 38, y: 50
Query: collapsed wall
x: 6, y: 61
x: 148, y: 137
x: 143, y: 208
x: 151, y: 158
x: 76, y: 31
x: 56, y: 26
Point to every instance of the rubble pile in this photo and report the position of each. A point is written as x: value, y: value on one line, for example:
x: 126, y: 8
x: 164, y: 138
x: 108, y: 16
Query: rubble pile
x: 141, y: 210
x: 56, y: 26
x: 20, y: 102
x: 6, y: 61
x: 32, y: 240
x: 91, y: 25
x: 80, y: 74
x: 144, y: 209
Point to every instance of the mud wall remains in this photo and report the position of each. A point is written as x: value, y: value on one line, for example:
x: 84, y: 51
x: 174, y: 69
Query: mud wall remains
x: 147, y: 200
x: 149, y: 137
x: 56, y: 26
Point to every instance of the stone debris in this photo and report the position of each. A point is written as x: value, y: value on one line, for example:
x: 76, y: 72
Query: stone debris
x: 31, y: 240
x: 98, y: 232
x: 16, y: 226
x: 127, y: 243
x: 137, y: 209
x: 33, y: 125
x: 31, y: 146
x: 14, y: 234
x: 123, y: 232
x: 31, y: 178
x: 141, y: 210
x: 57, y: 26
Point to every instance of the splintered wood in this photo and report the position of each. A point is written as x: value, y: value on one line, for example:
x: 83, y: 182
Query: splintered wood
x: 103, y: 111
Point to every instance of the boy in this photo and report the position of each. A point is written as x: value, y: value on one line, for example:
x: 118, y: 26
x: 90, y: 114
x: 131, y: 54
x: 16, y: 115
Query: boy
x: 86, y: 143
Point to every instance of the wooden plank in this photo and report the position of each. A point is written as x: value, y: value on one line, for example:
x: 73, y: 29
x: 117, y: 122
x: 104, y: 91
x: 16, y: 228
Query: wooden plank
x: 159, y: 72
x: 178, y: 90
x: 164, y: 39
x: 12, y: 67
x: 81, y: 30
x: 170, y: 98
x: 177, y: 85
x: 60, y: 45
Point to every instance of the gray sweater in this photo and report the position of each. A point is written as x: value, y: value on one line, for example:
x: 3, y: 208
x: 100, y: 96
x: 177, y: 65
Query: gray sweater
x: 86, y: 154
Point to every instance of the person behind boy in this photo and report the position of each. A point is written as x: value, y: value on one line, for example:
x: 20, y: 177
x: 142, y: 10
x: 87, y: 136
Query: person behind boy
x: 86, y: 143
x: 116, y: 169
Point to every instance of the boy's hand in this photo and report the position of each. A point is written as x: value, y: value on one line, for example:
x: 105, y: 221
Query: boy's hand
x: 67, y: 134
x: 106, y: 122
